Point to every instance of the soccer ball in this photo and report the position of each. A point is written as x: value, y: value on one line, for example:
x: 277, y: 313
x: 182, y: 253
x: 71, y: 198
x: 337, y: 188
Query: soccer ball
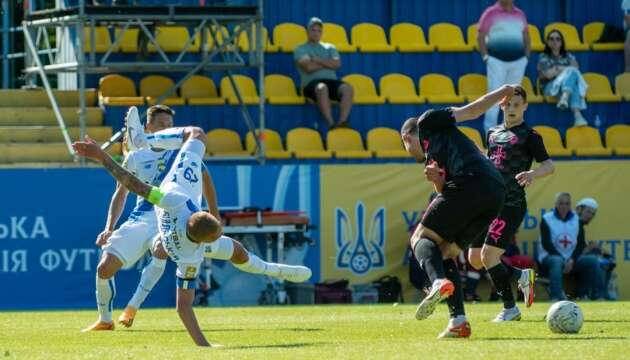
x: 565, y: 317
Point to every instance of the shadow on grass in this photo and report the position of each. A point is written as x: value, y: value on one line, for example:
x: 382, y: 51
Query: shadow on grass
x: 224, y: 330
x: 564, y: 338
x: 608, y: 321
x: 275, y: 346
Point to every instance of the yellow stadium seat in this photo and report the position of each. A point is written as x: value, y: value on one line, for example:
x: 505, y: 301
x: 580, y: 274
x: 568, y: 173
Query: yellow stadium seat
x: 118, y: 90
x: 172, y: 39
x: 473, y: 31
x: 364, y: 89
x: 224, y: 142
x: 129, y: 41
x: 599, y: 89
x: 280, y: 90
x: 591, y: 32
x: 370, y: 38
x: 618, y: 139
x: 473, y: 135
x: 386, y: 143
x: 288, y: 36
x: 102, y: 41
x: 200, y: 90
x: 472, y: 86
x: 532, y: 96
x: 247, y: 89
x: 153, y: 86
x: 570, y: 34
x: 553, y: 141
x: 272, y: 142
x: 336, y: 35
x: 399, y: 89
x: 346, y: 144
x: 586, y: 141
x: 622, y: 85
x: 536, y: 41
x: 448, y: 38
x: 243, y: 40
x: 306, y: 144
x: 408, y: 37
x: 439, y: 89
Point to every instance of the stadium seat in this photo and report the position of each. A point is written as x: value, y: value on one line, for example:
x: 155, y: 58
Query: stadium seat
x: 224, y: 142
x: 599, y: 89
x: 36, y: 152
x: 243, y: 40
x: 536, y: 40
x: 153, y: 86
x: 247, y: 89
x: 273, y: 145
x: 438, y: 89
x: 173, y: 39
x: 102, y: 40
x: 336, y: 34
x: 472, y: 86
x: 408, y: 37
x: 346, y: 144
x: 306, y: 144
x: 473, y: 135
x: 618, y: 139
x: 370, y: 38
x: 46, y: 134
x: 448, y: 38
x: 532, y: 96
x: 553, y: 141
x: 129, y: 41
x: 288, y: 36
x: 399, y: 89
x: 570, y: 34
x: 586, y: 141
x: 591, y: 32
x: 473, y: 31
x: 364, y: 89
x: 386, y: 143
x: 280, y: 90
x: 200, y: 90
x: 118, y: 90
x: 622, y: 85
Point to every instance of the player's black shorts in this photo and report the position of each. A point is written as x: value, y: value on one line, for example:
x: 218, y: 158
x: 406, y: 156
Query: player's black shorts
x: 333, y: 89
x: 503, y: 228
x: 464, y: 210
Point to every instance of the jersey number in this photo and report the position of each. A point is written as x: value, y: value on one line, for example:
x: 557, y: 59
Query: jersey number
x: 496, y: 229
x: 189, y: 175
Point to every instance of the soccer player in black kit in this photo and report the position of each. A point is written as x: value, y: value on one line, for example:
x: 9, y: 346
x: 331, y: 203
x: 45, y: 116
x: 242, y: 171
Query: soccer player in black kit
x: 470, y: 198
x: 512, y: 147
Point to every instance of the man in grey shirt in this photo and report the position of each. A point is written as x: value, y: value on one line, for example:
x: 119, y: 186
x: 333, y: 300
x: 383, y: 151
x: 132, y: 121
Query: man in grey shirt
x: 316, y: 62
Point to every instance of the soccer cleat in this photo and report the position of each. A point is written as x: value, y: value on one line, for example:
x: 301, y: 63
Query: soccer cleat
x: 294, y: 273
x: 526, y: 283
x: 134, y: 130
x: 99, y: 326
x: 513, y: 314
x: 460, y: 331
x: 440, y: 290
x: 126, y: 318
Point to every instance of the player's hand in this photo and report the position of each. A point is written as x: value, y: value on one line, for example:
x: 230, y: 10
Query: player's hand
x: 525, y: 178
x: 89, y: 149
x: 102, y: 238
x: 508, y: 92
x: 433, y: 173
x: 568, y: 266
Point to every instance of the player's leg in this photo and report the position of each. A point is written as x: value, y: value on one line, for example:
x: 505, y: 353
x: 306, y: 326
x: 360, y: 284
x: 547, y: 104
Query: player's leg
x: 168, y: 139
x: 105, y: 291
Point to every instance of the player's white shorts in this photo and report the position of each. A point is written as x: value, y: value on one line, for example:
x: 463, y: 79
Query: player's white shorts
x: 132, y: 239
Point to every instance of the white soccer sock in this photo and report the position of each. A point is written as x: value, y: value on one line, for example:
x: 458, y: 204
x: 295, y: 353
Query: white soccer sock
x: 105, y: 293
x: 151, y: 274
x: 457, y: 320
x: 168, y: 139
x: 256, y: 265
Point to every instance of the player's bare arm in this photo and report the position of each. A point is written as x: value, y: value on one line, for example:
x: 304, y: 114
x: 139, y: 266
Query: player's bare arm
x: 434, y: 174
x: 210, y: 194
x: 116, y: 207
x: 481, y: 105
x: 526, y: 178
x: 185, y: 298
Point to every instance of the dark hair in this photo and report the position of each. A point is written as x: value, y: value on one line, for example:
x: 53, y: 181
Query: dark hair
x: 520, y: 91
x: 410, y: 126
x: 159, y: 109
x: 563, y: 50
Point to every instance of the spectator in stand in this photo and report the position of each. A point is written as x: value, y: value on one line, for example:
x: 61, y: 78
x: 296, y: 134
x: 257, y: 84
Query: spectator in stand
x: 316, y: 62
x: 625, y: 7
x: 504, y: 44
x: 560, y: 76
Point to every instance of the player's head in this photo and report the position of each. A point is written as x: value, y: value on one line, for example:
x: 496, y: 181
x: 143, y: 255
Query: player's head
x: 586, y: 209
x: 159, y: 117
x: 411, y: 139
x: 563, y: 203
x: 315, y: 27
x: 514, y: 109
x: 203, y: 227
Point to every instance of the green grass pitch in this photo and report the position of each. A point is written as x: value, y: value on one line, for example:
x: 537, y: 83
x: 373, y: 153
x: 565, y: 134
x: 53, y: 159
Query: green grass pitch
x: 317, y: 332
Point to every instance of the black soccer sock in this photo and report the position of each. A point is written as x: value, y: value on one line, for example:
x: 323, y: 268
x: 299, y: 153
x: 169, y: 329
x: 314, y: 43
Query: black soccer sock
x: 513, y: 272
x: 501, y: 279
x: 456, y: 301
x: 430, y: 259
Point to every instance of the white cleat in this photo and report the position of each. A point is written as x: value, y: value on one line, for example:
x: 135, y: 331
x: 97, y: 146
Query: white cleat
x: 294, y: 273
x: 526, y: 283
x: 440, y: 290
x: 134, y: 130
x: 513, y: 314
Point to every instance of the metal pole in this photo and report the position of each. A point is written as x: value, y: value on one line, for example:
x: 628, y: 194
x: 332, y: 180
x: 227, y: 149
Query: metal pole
x: 260, y: 57
x: 5, y: 44
x: 79, y: 52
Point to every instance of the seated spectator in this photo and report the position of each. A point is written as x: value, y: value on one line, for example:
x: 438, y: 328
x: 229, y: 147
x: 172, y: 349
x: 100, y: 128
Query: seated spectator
x: 560, y: 77
x: 316, y: 62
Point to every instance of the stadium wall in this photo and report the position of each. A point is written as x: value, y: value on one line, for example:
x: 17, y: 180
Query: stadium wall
x: 50, y: 218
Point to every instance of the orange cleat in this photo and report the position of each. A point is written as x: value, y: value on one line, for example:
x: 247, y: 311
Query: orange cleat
x: 126, y: 318
x: 99, y: 326
x: 460, y: 331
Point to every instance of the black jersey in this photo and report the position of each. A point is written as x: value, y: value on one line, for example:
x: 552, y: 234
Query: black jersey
x: 453, y: 151
x: 512, y: 151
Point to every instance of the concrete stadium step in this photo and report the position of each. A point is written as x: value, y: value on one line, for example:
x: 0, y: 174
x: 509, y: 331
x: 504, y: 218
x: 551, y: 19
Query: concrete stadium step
x: 38, y: 97
x: 43, y: 116
x: 40, y: 152
x: 31, y: 134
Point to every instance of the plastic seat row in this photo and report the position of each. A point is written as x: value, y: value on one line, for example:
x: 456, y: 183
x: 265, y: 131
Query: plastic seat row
x: 365, y: 37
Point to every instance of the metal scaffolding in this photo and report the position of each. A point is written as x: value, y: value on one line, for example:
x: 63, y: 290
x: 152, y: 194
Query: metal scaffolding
x: 75, y: 22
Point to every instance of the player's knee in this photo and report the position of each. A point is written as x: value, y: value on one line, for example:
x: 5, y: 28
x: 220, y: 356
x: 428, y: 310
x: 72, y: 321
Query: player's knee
x: 240, y: 255
x: 489, y: 258
x: 474, y: 259
x: 105, y: 270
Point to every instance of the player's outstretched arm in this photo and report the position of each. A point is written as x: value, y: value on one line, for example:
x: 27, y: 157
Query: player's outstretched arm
x: 210, y: 194
x: 185, y: 298
x: 526, y: 178
x: 478, y: 107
